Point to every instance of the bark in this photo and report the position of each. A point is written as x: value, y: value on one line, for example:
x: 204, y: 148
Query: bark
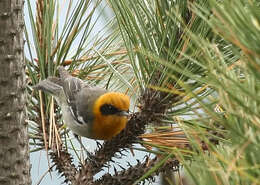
x: 14, y: 150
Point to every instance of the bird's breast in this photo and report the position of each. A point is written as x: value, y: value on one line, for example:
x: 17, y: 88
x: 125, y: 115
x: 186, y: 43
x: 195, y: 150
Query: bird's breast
x: 106, y: 127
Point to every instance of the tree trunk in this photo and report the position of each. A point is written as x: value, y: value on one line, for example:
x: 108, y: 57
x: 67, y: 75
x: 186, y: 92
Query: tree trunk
x: 14, y: 150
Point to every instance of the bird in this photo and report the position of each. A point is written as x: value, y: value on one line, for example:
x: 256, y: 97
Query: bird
x: 88, y: 111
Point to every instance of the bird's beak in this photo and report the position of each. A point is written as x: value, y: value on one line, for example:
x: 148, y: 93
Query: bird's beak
x: 123, y: 113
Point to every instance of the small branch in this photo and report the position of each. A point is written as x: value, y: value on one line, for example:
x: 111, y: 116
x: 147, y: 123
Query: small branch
x: 134, y: 173
x: 41, y: 178
x: 64, y: 165
x: 105, y: 152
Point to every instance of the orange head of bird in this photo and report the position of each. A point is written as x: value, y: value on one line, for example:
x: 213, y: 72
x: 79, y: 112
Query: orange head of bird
x: 110, y: 115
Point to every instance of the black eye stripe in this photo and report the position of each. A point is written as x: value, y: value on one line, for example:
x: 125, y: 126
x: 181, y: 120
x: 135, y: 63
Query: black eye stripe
x: 108, y: 109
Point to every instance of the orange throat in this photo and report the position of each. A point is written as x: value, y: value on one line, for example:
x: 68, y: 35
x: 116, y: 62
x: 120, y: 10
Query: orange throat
x: 106, y: 127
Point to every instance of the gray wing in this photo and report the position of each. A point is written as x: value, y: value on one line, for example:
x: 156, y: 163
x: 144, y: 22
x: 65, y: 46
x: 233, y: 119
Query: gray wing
x: 71, y: 87
x: 80, y: 96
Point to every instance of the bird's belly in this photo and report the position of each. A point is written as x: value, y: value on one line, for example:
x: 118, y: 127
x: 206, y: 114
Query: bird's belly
x: 83, y: 129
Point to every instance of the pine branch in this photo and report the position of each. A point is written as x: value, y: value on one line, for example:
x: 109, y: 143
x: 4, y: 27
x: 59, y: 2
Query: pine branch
x: 134, y: 173
x: 125, y: 139
x: 64, y: 165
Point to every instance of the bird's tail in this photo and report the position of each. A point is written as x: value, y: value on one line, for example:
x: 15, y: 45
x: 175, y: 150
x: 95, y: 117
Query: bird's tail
x: 62, y: 88
x: 52, y: 85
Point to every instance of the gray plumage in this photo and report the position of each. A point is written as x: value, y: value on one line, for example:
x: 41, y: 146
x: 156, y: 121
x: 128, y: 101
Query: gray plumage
x: 75, y: 98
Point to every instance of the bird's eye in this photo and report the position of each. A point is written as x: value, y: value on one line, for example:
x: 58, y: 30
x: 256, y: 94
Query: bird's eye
x: 108, y: 109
